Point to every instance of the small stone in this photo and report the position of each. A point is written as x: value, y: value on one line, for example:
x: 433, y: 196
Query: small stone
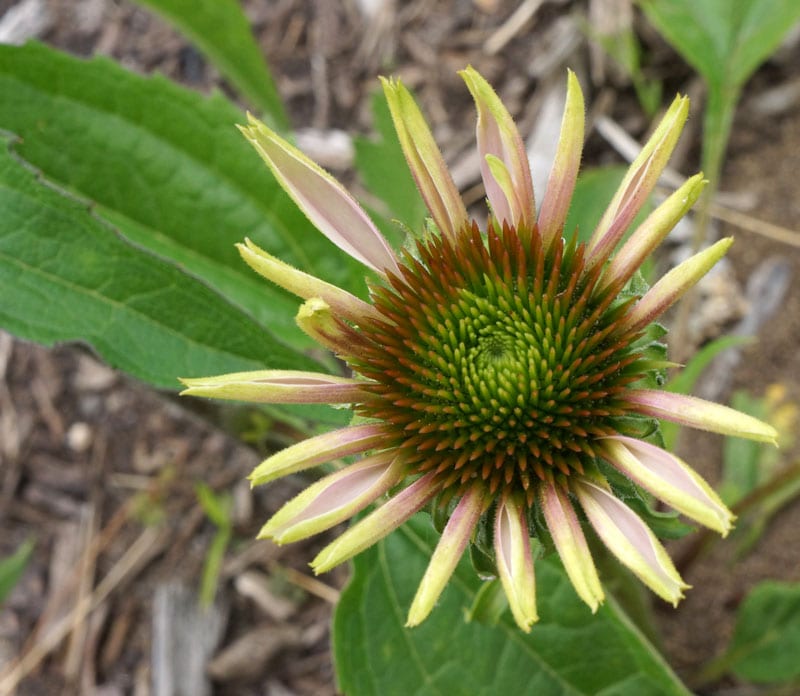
x: 79, y: 437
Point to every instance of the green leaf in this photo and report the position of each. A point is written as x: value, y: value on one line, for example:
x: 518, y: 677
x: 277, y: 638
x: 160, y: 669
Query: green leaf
x: 64, y: 275
x: 216, y: 507
x: 12, y: 567
x: 168, y: 168
x: 766, y: 640
x: 570, y: 651
x: 220, y: 29
x: 623, y: 46
x: 724, y: 41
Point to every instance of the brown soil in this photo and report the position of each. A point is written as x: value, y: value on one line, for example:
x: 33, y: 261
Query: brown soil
x: 92, y: 460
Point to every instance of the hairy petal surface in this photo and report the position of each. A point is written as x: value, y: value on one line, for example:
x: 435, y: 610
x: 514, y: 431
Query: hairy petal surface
x: 277, y: 387
x: 448, y: 552
x: 701, y: 414
x: 512, y: 547
x: 669, y: 479
x: 507, y: 175
x: 651, y: 233
x: 673, y: 285
x: 304, y: 285
x: 325, y: 202
x: 425, y: 160
x: 564, y: 174
x: 638, y: 183
x: 333, y: 499
x: 316, y: 320
x: 318, y: 450
x: 377, y: 524
x: 630, y: 540
x: 570, y: 542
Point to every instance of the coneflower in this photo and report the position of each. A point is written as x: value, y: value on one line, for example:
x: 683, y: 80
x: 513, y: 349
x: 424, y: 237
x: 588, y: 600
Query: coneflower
x: 496, y: 371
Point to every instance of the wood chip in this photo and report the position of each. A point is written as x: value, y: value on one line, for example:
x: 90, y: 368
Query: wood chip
x: 255, y: 586
x: 185, y: 635
x: 512, y: 26
x: 245, y: 658
x: 26, y: 20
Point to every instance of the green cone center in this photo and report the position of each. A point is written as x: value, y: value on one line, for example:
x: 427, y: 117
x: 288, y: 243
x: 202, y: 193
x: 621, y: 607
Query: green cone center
x: 495, y: 361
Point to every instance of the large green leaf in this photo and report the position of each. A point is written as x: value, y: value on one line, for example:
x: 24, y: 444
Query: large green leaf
x: 65, y: 275
x: 221, y: 30
x: 725, y: 41
x: 169, y: 169
x: 569, y: 651
x: 766, y: 641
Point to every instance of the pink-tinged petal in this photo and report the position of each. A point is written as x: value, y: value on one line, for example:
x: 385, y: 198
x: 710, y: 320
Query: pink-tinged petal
x: 651, y: 232
x: 638, y: 183
x: 672, y: 286
x: 316, y: 319
x: 512, y: 547
x: 325, y: 202
x: 630, y: 540
x: 699, y: 413
x: 318, y: 450
x: 447, y: 554
x: 377, y: 524
x: 561, y: 184
x: 570, y: 542
x: 425, y: 160
x: 504, y: 193
x: 670, y: 479
x: 277, y: 387
x: 333, y: 499
x: 304, y: 285
x: 510, y: 195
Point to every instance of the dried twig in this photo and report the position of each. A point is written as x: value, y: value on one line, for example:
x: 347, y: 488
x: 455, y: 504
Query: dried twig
x: 149, y: 544
x: 309, y: 584
x: 512, y: 26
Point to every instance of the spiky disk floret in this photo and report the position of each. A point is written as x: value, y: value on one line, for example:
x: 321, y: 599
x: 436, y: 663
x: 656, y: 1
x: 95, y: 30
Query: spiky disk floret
x: 496, y: 360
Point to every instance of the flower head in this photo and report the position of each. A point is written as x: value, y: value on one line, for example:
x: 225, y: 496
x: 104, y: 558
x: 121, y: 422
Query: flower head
x: 497, y: 372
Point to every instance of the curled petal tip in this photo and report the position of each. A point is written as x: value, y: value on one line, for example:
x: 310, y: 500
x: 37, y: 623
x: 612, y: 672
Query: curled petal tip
x: 504, y: 162
x: 652, y: 232
x: 447, y: 554
x: 425, y: 160
x: 304, y: 285
x: 570, y: 542
x: 669, y: 479
x: 333, y: 499
x: 699, y: 413
x: 630, y: 540
x: 638, y: 183
x: 277, y: 387
x: 316, y: 319
x: 564, y: 173
x: 515, y: 563
x: 377, y: 524
x: 672, y: 286
x: 323, y: 200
